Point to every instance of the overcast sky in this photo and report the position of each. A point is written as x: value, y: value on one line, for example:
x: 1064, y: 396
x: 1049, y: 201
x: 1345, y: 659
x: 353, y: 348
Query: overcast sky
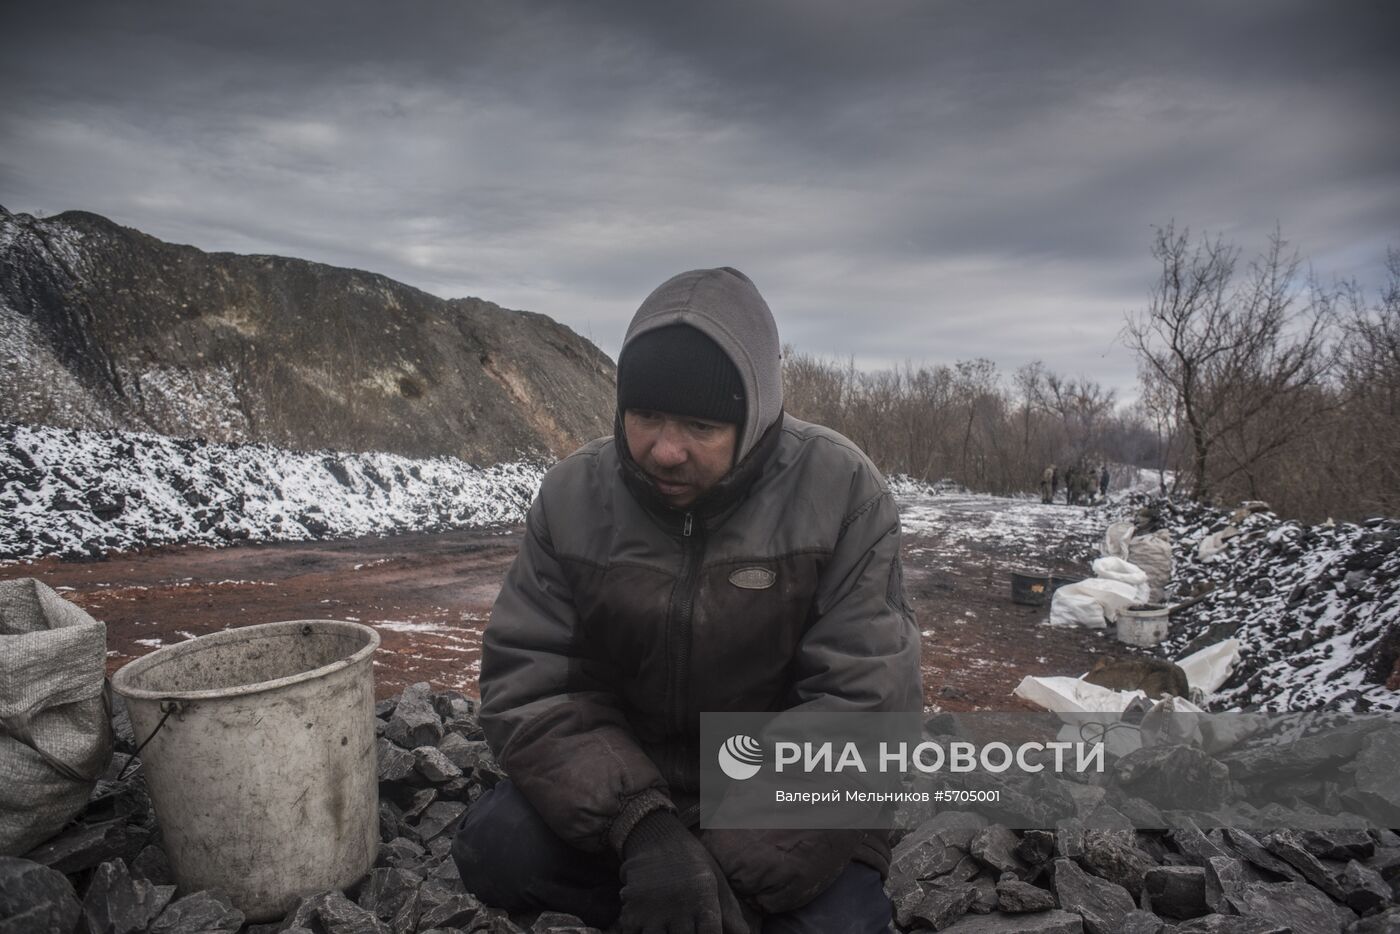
x: 922, y: 181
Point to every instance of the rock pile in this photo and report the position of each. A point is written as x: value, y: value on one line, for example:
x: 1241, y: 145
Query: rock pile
x: 956, y: 871
x: 83, y: 494
x: 1314, y: 607
x: 959, y: 873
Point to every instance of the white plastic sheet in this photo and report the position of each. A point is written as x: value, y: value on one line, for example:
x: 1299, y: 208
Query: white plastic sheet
x: 1072, y: 695
x: 1206, y: 670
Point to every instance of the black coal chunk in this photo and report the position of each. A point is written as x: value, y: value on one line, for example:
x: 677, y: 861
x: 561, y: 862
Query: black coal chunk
x: 35, y: 899
x: 205, y: 912
x: 116, y: 903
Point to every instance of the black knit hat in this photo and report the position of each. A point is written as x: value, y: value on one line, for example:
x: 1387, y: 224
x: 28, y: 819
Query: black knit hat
x: 679, y: 370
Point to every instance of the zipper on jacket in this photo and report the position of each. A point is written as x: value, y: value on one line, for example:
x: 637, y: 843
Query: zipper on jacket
x: 692, y: 550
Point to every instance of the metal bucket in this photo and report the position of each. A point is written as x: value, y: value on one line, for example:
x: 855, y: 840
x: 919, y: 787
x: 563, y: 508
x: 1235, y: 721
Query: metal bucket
x: 261, y: 759
x: 1030, y: 588
x: 1143, y: 625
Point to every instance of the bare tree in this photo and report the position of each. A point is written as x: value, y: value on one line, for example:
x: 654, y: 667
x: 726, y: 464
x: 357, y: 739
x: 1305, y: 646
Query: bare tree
x: 1370, y: 423
x: 1242, y: 356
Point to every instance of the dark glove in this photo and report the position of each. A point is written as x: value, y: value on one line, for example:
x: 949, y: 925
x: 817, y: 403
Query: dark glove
x: 781, y: 870
x: 671, y: 885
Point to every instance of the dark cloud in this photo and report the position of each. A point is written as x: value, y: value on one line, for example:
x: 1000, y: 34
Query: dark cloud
x: 905, y: 180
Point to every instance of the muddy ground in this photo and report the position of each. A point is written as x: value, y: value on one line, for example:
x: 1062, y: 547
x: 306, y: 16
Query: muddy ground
x: 429, y: 596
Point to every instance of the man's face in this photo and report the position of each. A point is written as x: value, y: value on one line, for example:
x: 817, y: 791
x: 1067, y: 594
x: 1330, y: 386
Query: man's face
x: 683, y: 455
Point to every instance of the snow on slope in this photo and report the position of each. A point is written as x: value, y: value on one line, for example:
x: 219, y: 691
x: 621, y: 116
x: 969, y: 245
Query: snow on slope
x: 1317, y: 608
x: 75, y: 493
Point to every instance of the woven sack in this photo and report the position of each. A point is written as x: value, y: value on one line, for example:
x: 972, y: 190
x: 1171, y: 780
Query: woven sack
x: 55, y: 731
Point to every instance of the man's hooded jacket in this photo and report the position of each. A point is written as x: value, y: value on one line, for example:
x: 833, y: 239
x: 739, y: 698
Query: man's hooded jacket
x: 622, y: 619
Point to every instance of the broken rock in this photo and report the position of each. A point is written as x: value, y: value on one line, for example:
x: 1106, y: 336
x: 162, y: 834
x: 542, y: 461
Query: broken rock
x: 1295, y: 905
x: 35, y: 899
x: 205, y: 912
x: 1363, y: 888
x: 1387, y: 922
x: 437, y: 818
x: 1177, y: 891
x: 1017, y: 897
x: 391, y: 895
x: 904, y: 894
x: 1230, y: 924
x: 1113, y: 855
x: 1102, y: 904
x: 1047, y: 922
x: 84, y: 846
x: 395, y: 762
x: 434, y: 766
x: 1174, y: 777
x: 118, y: 904
x: 944, y: 904
x: 1144, y: 922
x: 415, y: 722
x: 996, y: 846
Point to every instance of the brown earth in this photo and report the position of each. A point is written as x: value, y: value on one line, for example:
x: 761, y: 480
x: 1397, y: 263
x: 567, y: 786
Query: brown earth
x: 429, y: 595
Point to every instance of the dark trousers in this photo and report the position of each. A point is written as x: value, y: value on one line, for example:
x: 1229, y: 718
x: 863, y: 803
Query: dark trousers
x: 509, y: 858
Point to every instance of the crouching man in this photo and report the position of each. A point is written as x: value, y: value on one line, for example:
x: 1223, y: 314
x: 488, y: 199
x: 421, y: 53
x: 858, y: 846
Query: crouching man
x: 715, y: 554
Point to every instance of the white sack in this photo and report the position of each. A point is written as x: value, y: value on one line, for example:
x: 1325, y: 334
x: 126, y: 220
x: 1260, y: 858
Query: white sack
x: 1092, y: 603
x: 1213, y: 545
x: 1116, y: 540
x: 1069, y: 607
x: 1116, y: 569
x: 1208, y: 668
x: 1153, y: 553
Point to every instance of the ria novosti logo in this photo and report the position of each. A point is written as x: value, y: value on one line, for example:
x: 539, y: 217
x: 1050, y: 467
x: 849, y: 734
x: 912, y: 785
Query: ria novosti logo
x: 740, y: 757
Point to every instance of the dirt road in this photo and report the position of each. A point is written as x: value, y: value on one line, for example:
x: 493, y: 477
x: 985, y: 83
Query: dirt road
x: 429, y: 595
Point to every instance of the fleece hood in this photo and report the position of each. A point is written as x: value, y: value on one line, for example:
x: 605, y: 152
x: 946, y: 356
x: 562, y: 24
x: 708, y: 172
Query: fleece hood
x: 724, y: 305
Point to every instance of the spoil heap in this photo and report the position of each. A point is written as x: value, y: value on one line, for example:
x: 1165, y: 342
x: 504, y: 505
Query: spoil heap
x: 87, y: 493
x: 1316, y: 608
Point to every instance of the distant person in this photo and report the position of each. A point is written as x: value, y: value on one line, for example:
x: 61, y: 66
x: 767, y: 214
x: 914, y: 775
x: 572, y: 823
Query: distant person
x: 643, y: 595
x: 1047, y: 484
x: 1103, y: 481
x: 1071, y: 484
x: 1085, y: 494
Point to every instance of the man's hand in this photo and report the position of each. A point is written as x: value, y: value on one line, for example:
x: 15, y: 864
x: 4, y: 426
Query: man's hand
x: 671, y: 884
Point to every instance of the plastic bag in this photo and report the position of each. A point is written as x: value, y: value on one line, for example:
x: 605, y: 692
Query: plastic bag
x: 1070, y: 608
x: 55, y: 731
x: 1117, y: 540
x: 1213, y: 545
x: 1116, y: 569
x: 1093, y: 603
x: 1211, y: 666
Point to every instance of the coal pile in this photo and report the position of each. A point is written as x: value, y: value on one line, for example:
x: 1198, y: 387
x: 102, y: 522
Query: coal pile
x: 956, y: 871
x: 83, y: 494
x: 1315, y: 607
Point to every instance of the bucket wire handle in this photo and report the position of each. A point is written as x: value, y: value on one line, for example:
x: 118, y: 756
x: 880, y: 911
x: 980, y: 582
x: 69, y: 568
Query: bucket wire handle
x: 167, y: 707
